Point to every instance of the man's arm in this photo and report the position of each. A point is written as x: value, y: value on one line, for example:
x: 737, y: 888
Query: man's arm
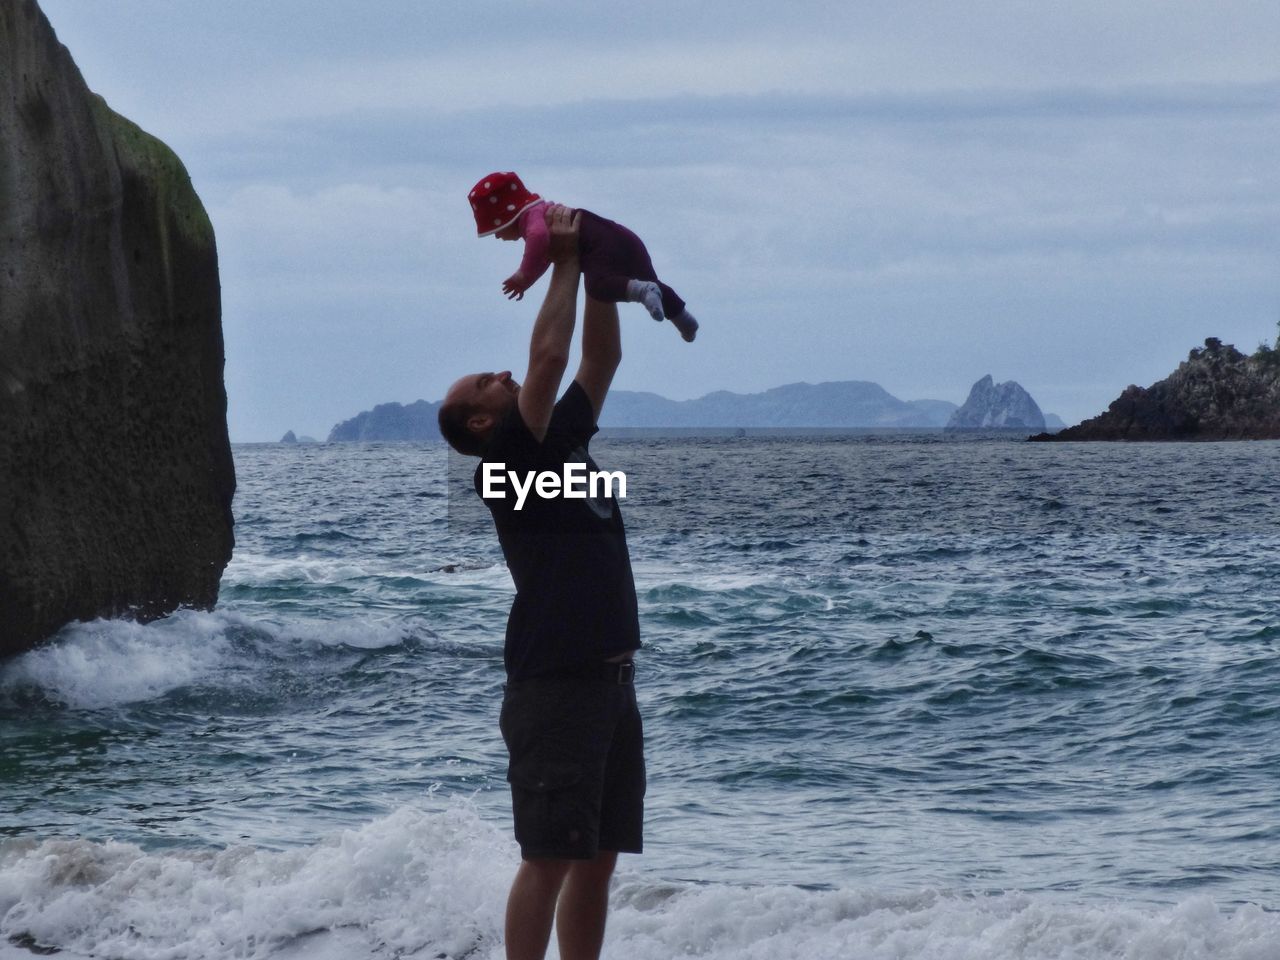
x: 553, y: 329
x: 601, y: 352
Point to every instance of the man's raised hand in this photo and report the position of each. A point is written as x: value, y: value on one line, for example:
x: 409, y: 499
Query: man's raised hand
x: 562, y: 223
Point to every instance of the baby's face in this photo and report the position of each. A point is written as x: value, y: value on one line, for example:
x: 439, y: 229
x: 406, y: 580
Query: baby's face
x: 510, y: 232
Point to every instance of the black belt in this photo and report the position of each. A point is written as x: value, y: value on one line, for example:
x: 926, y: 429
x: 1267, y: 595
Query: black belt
x: 621, y: 672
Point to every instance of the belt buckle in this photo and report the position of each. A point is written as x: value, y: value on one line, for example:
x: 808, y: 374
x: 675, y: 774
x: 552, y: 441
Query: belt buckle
x: 626, y: 672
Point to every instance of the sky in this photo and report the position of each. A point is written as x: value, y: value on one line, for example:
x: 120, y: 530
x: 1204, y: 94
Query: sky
x: 1071, y: 195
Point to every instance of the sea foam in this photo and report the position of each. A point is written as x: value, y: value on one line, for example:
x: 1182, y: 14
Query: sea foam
x: 106, y: 663
x: 399, y: 884
x: 433, y: 883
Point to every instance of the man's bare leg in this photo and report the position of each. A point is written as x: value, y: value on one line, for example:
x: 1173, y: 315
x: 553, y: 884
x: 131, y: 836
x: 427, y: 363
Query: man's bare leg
x: 584, y: 904
x: 531, y: 907
x: 572, y: 893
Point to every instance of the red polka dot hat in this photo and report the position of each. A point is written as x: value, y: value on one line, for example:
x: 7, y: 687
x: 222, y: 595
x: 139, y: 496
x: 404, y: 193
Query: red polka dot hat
x: 496, y: 201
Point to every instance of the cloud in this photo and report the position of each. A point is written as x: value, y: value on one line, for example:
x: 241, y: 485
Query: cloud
x: 865, y: 226
x: 915, y: 193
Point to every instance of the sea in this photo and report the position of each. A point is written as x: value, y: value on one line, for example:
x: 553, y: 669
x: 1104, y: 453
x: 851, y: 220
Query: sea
x: 948, y: 697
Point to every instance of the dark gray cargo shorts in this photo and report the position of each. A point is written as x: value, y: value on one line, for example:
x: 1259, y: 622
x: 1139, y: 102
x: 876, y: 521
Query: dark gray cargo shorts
x: 576, y: 767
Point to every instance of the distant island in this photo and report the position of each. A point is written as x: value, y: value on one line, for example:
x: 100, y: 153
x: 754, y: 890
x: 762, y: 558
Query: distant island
x: 852, y: 404
x: 390, y: 421
x: 1217, y: 393
x: 837, y: 405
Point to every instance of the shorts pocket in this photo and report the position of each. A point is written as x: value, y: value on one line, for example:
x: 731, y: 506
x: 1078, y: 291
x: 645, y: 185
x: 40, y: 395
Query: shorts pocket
x: 553, y: 816
x: 544, y: 776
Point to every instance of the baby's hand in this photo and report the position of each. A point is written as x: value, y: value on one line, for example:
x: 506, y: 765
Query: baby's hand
x: 514, y: 286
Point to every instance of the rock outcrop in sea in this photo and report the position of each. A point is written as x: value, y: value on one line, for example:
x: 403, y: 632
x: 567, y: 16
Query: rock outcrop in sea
x: 997, y: 406
x: 1217, y: 393
x: 116, y: 475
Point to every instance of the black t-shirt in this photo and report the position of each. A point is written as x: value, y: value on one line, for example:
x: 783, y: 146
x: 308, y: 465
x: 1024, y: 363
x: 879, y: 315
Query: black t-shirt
x: 575, y: 598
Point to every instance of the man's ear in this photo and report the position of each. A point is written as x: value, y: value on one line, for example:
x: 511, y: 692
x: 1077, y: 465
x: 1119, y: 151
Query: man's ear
x: 480, y: 423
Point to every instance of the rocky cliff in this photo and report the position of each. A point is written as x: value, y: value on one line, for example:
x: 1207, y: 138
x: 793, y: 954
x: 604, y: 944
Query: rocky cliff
x: 997, y: 406
x: 116, y: 476
x: 1217, y: 393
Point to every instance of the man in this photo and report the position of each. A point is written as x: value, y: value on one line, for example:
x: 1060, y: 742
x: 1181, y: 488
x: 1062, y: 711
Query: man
x: 569, y: 718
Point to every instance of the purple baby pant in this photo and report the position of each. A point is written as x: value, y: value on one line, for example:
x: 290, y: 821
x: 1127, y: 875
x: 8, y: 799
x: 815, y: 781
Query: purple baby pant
x: 610, y: 255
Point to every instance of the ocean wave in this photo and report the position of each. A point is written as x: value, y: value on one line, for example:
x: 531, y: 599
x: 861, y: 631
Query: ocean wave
x: 252, y: 569
x: 398, y: 884
x: 105, y: 663
x: 779, y: 923
x: 433, y: 883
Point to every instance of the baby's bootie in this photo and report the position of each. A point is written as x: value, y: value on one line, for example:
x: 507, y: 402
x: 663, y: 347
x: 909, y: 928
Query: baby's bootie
x: 648, y: 293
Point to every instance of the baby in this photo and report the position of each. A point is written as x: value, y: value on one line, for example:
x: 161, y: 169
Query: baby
x: 614, y: 260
